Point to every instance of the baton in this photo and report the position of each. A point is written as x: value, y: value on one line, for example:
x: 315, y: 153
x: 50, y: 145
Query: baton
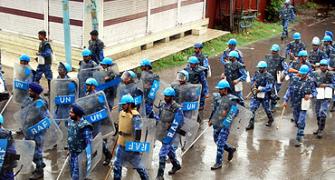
x: 63, y: 167
x: 202, y: 133
x: 281, y: 117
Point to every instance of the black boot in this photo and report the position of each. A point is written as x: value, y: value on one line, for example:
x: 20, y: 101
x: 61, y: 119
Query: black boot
x: 174, y: 169
x: 37, y: 174
x: 48, y: 93
x: 270, y: 121
x: 231, y: 153
x: 160, y: 174
x: 317, y: 131
x: 322, y: 127
x: 251, y: 124
x: 333, y: 107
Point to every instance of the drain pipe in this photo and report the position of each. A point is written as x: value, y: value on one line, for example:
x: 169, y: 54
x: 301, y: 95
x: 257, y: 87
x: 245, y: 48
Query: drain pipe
x: 67, y: 33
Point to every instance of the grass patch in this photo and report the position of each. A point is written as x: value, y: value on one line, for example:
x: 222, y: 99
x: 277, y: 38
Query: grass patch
x: 259, y: 31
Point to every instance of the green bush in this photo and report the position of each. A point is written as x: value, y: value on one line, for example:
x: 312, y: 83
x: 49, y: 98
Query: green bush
x: 272, y: 10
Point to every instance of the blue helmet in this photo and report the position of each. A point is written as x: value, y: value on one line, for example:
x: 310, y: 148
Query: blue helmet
x: 222, y: 84
x: 132, y: 74
x: 86, y: 52
x: 193, y: 60
x: 24, y: 57
x: 262, y: 64
x: 67, y: 66
x: 169, y: 92
x: 302, y: 53
x: 183, y: 75
x: 327, y: 38
x: 126, y: 99
x: 107, y: 61
x: 1, y: 119
x: 232, y: 42
x: 198, y: 45
x: 304, y: 69
x: 296, y: 36
x: 91, y: 82
x: 145, y: 62
x: 275, y: 47
x: 329, y: 33
x: 233, y: 54
x: 324, y: 62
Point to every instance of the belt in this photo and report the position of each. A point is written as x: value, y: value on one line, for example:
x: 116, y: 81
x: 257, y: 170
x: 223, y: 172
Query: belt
x: 124, y: 134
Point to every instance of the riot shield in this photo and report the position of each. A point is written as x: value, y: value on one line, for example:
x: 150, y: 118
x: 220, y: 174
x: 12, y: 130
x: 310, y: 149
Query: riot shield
x: 188, y: 96
x: 135, y: 89
x: 96, y: 111
x: 148, y: 136
x: 241, y: 121
x: 83, y: 75
x: 150, y: 85
x: 89, y: 158
x: 35, y: 120
x: 109, y: 86
x: 26, y: 149
x: 22, y: 77
x: 63, y: 94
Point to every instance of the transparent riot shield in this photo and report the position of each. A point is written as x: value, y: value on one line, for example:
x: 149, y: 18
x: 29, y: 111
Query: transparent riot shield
x: 135, y: 89
x: 83, y: 75
x: 97, y: 111
x: 89, y: 158
x: 151, y: 85
x: 149, y: 137
x: 26, y: 149
x: 109, y: 86
x: 63, y: 94
x: 188, y: 96
x: 35, y: 120
x: 22, y: 77
x: 241, y: 121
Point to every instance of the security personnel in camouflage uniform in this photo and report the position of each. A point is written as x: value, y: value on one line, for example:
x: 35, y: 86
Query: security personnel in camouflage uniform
x: 150, y: 89
x: 96, y: 46
x: 79, y: 137
x: 295, y: 65
x: 203, y: 59
x: 129, y: 130
x: 224, y: 111
x: 261, y: 82
x: 316, y: 54
x: 87, y: 61
x: 301, y: 86
x: 276, y: 64
x: 171, y: 119
x: 234, y: 73
x: 63, y: 70
x: 323, y: 79
x: 197, y: 75
x: 91, y: 85
x: 327, y: 46
x: 294, y: 47
x: 10, y: 158
x: 45, y: 51
x: 107, y: 64
x: 286, y: 14
x: 34, y: 96
x: 232, y: 43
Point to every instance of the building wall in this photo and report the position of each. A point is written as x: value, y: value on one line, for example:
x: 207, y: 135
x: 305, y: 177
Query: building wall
x: 125, y: 20
x: 27, y: 17
x: 120, y: 20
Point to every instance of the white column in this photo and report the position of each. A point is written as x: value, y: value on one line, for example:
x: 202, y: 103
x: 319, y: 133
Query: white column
x: 46, y: 16
x: 178, y: 20
x: 204, y: 9
x: 148, y: 31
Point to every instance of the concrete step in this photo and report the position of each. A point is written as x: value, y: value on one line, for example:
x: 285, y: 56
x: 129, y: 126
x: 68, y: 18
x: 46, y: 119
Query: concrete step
x: 18, y: 44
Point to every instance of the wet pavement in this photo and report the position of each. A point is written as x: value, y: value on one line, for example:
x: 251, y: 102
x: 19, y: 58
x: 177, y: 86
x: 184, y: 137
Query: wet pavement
x: 265, y: 153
